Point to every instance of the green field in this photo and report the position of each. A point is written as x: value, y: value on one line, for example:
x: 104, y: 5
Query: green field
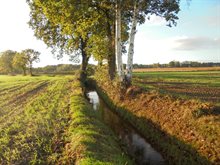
x: 202, y: 85
x: 47, y: 120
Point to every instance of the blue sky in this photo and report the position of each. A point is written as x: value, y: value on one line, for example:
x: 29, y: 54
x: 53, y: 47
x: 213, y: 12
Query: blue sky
x: 196, y: 36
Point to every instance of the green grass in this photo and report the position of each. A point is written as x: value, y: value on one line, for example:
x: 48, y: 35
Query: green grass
x: 201, y: 85
x: 88, y: 132
x: 47, y: 120
x: 209, y: 78
x: 27, y: 132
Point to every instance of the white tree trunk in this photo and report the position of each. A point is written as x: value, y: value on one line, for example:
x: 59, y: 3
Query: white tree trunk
x: 118, y: 46
x: 129, y: 66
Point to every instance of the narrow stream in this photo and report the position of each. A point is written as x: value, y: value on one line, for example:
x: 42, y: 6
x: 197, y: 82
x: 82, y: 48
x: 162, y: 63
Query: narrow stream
x: 136, y: 146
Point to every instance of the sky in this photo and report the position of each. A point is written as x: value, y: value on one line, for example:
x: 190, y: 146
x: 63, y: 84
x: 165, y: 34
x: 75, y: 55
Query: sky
x: 195, y: 38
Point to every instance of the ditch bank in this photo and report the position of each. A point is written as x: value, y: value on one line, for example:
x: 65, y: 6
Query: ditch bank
x: 90, y: 141
x: 131, y: 141
x: 173, y: 126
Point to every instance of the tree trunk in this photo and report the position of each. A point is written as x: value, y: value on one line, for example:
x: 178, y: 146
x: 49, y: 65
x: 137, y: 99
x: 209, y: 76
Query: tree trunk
x: 118, y: 48
x: 111, y: 55
x: 111, y: 66
x: 30, y: 70
x: 85, y: 60
x: 24, y: 71
x: 111, y: 52
x: 129, y: 67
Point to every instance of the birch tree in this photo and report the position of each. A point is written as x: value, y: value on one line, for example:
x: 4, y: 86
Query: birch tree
x: 129, y: 66
x: 167, y: 9
x: 118, y: 46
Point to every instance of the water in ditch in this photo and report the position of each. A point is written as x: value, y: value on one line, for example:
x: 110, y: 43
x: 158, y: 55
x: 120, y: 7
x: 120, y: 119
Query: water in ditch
x: 136, y: 146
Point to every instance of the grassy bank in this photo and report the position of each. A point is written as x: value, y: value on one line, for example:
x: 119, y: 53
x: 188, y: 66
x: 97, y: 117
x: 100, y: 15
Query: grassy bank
x: 91, y: 141
x: 173, y: 150
x: 184, y: 131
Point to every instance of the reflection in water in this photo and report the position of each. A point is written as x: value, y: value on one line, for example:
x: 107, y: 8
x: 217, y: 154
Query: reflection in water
x: 93, y: 99
x: 136, y: 146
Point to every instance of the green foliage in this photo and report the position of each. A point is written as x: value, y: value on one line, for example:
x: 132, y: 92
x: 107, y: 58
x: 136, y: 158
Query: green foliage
x: 12, y: 62
x: 101, y: 74
x: 87, y: 27
x: 20, y: 62
x: 63, y: 30
x: 91, y: 70
x: 174, y: 64
x: 99, y: 47
x: 57, y: 69
x: 31, y: 56
x: 6, y: 58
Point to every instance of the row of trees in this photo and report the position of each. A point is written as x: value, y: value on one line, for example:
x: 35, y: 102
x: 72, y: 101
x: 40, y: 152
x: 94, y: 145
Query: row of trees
x: 174, y: 64
x: 12, y: 61
x: 96, y: 28
x: 56, y: 69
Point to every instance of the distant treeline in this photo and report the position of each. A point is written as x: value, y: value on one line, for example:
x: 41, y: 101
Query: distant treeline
x: 174, y: 64
x: 56, y: 69
x: 49, y: 69
x: 13, y: 62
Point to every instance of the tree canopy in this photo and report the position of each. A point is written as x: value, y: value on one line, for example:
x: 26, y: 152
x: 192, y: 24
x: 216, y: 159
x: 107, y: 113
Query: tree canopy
x: 137, y: 11
x: 87, y: 28
x: 20, y: 62
x: 6, y: 58
x: 31, y: 56
x: 13, y: 62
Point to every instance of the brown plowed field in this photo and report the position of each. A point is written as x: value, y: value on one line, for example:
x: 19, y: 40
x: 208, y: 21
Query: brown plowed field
x: 202, y: 85
x: 177, y: 69
x: 182, y: 106
x: 177, y: 118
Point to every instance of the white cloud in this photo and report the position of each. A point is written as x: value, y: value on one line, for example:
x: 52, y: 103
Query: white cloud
x: 213, y: 21
x: 149, y: 50
x: 197, y: 43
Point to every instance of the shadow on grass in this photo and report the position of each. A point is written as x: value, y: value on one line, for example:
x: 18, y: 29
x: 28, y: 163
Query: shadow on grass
x: 173, y: 149
x: 205, y: 112
x: 216, y: 111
